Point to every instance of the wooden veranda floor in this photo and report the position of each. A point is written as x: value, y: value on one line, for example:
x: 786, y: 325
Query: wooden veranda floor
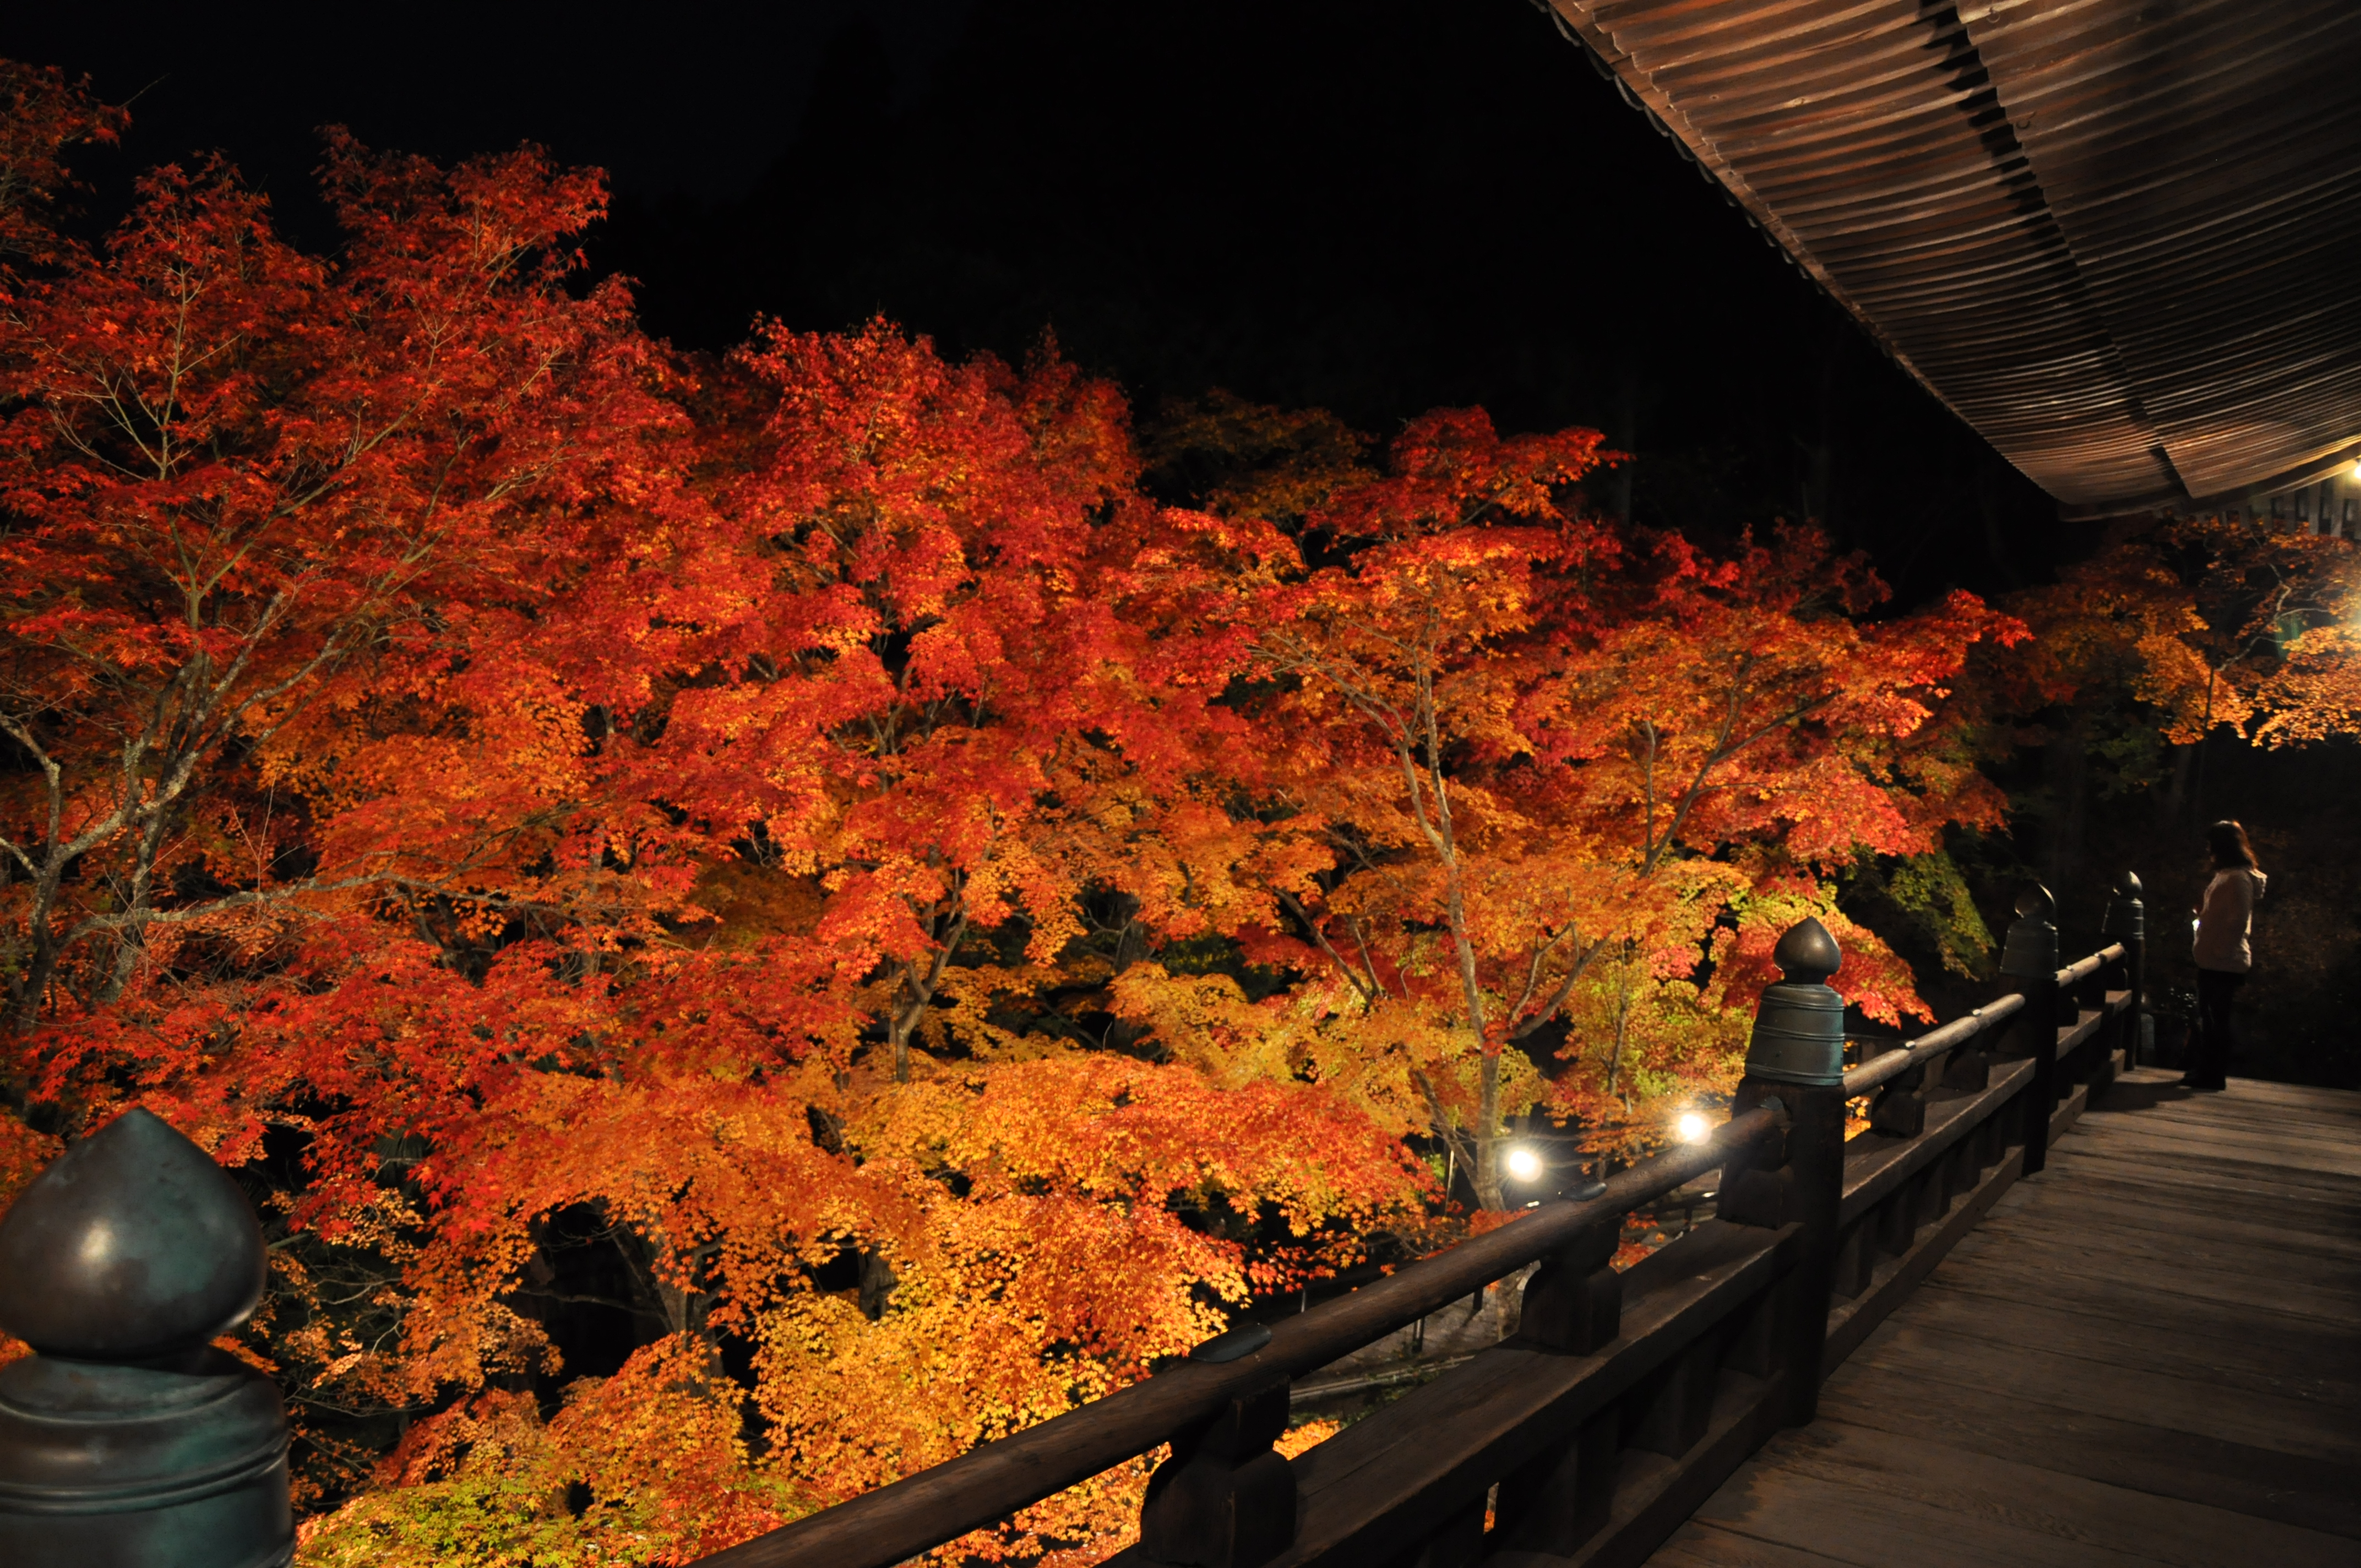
x: 2148, y: 1354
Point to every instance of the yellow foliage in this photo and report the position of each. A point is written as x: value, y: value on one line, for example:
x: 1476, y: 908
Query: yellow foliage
x: 647, y: 1466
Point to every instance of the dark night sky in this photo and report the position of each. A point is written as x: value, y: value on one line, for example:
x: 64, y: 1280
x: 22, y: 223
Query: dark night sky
x: 686, y: 97
x: 1379, y: 207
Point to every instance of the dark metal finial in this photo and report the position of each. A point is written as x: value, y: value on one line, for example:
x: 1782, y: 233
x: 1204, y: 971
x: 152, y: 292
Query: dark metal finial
x: 2031, y: 950
x: 1799, y: 1027
x: 1808, y: 953
x: 133, y: 1244
x: 128, y: 1439
x: 2126, y: 915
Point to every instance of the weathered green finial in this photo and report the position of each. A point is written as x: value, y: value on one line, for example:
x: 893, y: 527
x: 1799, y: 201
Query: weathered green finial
x: 2031, y: 950
x: 134, y: 1245
x: 2126, y: 915
x: 127, y: 1438
x: 1799, y: 1027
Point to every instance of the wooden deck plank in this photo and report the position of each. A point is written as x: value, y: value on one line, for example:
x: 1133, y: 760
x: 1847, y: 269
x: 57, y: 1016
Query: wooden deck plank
x: 2329, y: 1105
x: 2195, y: 1126
x: 1698, y: 1545
x: 1996, y: 1503
x: 2249, y: 1186
x: 2112, y: 1210
x: 2150, y: 1086
x: 2330, y: 1102
x: 1770, y: 1499
x: 2277, y: 1365
x: 2113, y: 1217
x: 2316, y: 1156
x: 2154, y: 1396
x: 2307, y: 1152
x: 2259, y: 1086
x: 2042, y: 1256
x: 2193, y: 1467
x: 2296, y: 1160
x: 2038, y: 1262
x: 2129, y: 1310
x: 2159, y: 1237
x: 2166, y: 1192
x: 2134, y: 1101
x: 2205, y: 1111
x: 2147, y: 1353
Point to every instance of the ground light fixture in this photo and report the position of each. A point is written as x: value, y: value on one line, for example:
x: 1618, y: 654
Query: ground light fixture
x: 1693, y: 1127
x: 1524, y: 1164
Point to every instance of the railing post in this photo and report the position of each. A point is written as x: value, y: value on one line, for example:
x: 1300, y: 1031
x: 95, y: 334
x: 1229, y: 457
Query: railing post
x: 125, y: 1437
x: 1796, y: 1056
x: 1574, y: 1302
x: 1225, y: 1498
x: 1899, y: 1111
x: 2028, y: 967
x: 2127, y: 923
x: 1558, y: 1500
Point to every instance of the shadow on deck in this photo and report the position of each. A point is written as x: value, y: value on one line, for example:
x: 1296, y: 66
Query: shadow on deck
x: 2150, y: 1353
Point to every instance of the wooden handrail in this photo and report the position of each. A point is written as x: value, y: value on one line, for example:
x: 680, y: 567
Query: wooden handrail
x: 2083, y: 968
x: 1934, y: 1043
x: 996, y: 1479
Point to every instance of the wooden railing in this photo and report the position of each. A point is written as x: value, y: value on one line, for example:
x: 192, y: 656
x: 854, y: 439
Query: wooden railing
x: 1620, y: 1402
x: 1623, y: 1398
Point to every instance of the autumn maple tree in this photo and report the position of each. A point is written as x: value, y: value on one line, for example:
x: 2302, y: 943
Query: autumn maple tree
x: 2177, y: 627
x: 1532, y: 776
x: 253, y: 495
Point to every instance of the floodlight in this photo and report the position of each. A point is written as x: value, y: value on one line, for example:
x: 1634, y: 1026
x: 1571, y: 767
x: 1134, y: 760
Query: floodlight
x: 1693, y: 1127
x: 1524, y: 1164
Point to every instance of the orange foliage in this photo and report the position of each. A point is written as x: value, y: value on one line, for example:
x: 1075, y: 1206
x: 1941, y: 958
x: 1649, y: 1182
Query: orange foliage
x: 1531, y: 770
x: 2193, y: 624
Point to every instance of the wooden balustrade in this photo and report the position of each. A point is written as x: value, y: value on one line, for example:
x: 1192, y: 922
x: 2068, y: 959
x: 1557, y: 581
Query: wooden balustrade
x: 1624, y: 1399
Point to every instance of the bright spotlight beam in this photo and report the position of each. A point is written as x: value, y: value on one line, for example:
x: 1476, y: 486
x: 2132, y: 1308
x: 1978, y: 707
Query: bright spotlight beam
x: 1693, y: 1127
x: 1523, y: 1163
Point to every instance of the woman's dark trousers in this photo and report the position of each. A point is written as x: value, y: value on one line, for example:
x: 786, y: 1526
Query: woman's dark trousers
x: 2209, y: 1064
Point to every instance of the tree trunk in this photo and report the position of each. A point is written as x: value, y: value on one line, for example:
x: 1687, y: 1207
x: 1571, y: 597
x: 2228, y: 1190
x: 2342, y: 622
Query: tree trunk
x: 2173, y: 803
x: 899, y: 1031
x: 131, y: 941
x: 877, y: 1282
x: 1622, y: 1019
x: 1486, y: 1175
x: 920, y: 990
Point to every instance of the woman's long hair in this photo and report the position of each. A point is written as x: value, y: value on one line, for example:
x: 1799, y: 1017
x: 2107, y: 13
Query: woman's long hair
x: 2230, y: 851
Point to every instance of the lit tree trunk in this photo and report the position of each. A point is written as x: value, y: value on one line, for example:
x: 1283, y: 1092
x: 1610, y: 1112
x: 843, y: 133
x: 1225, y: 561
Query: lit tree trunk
x: 1430, y: 799
x: 1487, y: 1137
x: 917, y: 992
x: 1622, y: 1021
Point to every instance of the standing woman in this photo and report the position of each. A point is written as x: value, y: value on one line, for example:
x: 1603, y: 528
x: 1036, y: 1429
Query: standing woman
x: 2224, y: 922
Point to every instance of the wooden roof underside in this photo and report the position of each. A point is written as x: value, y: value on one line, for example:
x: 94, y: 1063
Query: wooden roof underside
x: 2122, y: 238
